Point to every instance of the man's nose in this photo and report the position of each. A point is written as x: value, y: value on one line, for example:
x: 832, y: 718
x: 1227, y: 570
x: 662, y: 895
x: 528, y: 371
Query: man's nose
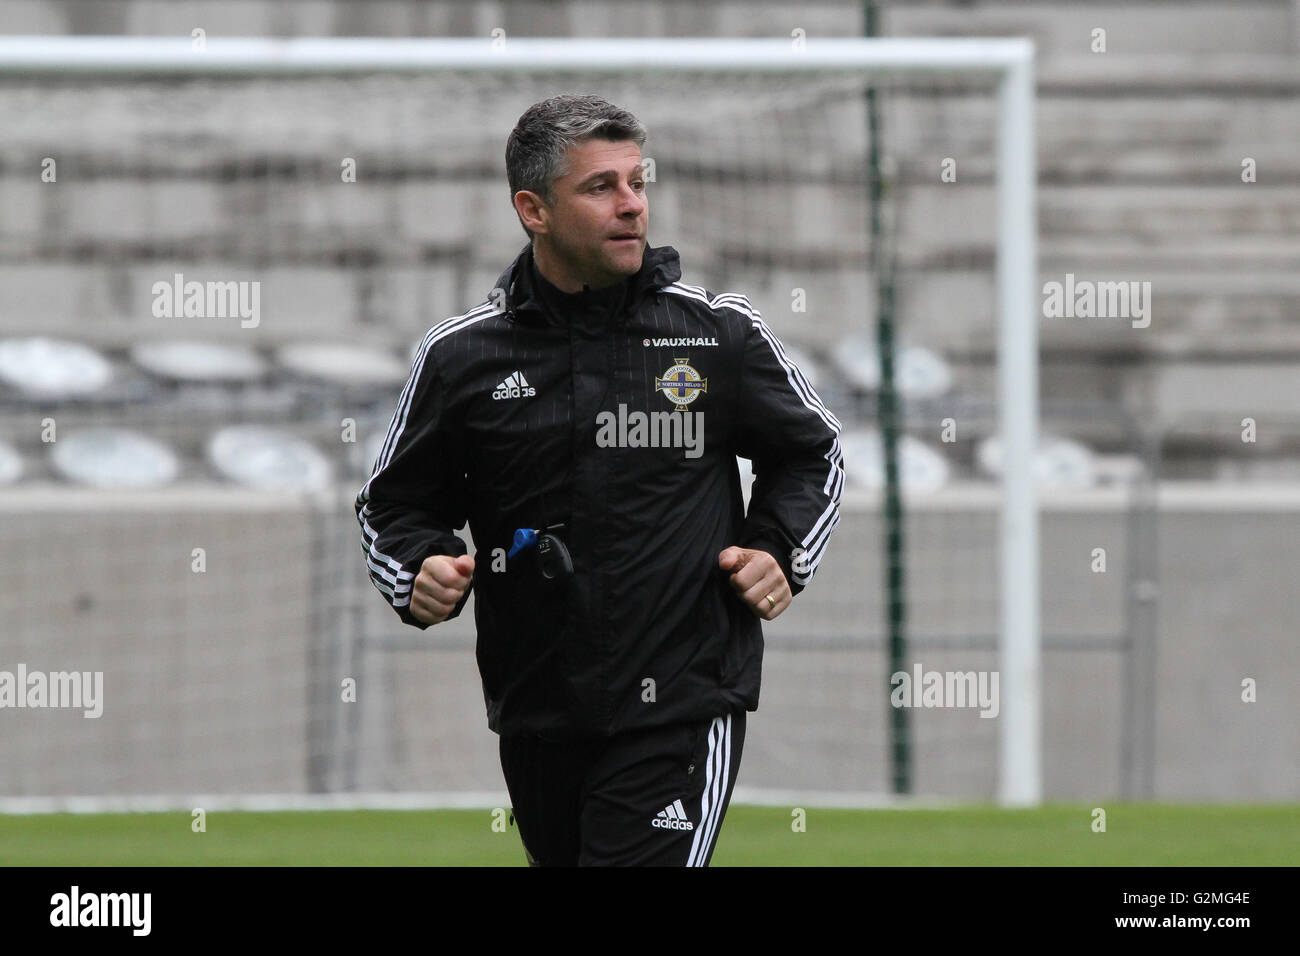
x: 631, y: 202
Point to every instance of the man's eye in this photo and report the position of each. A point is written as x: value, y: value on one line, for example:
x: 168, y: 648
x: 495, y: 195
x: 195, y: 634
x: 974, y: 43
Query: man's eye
x: 639, y: 185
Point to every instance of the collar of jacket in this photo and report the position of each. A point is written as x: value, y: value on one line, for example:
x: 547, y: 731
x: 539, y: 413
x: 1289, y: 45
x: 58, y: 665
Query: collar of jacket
x: 660, y: 266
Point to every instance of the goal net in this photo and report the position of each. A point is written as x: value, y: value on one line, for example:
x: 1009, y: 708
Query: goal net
x: 328, y: 208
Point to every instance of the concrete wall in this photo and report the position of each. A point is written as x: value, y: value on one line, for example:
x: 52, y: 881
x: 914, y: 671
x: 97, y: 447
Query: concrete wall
x: 229, y: 681
x: 205, y: 674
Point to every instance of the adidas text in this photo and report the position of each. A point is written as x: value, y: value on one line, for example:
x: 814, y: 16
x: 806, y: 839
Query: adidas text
x: 516, y: 386
x: 672, y: 817
x: 672, y: 824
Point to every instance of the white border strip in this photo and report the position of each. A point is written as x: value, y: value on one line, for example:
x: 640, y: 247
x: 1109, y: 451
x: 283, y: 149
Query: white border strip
x: 466, y: 800
x: 257, y: 55
x: 259, y: 802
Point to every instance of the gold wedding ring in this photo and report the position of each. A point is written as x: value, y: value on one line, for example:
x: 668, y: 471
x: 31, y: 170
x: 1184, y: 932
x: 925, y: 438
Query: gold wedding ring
x: 771, y: 601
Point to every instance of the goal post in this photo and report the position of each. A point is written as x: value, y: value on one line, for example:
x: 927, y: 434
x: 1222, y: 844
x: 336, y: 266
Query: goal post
x: 1009, y: 63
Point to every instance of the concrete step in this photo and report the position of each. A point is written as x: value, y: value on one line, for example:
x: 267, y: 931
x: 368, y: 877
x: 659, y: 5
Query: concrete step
x: 284, y: 218
x: 1106, y: 135
x: 1194, y: 310
x: 1234, y: 222
x: 1145, y: 28
x: 1137, y: 104
x: 1266, y: 255
x: 1255, y: 224
x: 110, y: 303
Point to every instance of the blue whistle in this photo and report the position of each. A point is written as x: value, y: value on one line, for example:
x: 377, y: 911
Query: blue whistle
x: 524, y: 538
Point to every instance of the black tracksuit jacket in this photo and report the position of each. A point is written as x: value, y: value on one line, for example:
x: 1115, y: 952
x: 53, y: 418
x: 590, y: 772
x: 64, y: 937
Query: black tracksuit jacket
x: 538, y: 408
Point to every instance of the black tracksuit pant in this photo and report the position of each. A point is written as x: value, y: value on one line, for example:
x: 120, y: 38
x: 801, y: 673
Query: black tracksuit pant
x: 645, y: 798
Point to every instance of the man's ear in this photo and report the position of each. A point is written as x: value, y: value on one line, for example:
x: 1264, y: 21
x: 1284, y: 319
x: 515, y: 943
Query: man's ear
x: 533, y: 211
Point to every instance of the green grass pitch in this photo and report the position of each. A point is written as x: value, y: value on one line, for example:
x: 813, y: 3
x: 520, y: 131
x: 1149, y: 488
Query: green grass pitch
x: 1060, y: 835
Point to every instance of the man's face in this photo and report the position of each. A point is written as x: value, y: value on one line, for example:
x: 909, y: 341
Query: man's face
x: 600, y: 200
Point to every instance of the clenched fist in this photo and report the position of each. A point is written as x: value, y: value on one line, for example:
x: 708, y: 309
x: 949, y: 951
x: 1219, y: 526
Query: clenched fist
x: 439, y: 586
x: 758, y: 580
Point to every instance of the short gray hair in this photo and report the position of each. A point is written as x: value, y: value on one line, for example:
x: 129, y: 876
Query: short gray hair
x: 537, y: 147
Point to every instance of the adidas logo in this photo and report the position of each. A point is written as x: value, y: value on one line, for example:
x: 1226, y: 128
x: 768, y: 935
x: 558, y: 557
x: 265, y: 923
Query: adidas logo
x: 516, y: 386
x: 672, y: 817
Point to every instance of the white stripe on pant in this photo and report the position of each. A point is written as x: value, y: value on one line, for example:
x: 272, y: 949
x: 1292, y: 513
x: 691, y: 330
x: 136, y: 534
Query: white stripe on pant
x: 717, y: 771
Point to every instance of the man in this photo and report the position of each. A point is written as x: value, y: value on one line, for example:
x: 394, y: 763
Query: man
x: 585, y: 420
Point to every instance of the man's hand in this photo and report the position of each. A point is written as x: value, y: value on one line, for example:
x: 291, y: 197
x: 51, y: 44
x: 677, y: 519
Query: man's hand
x: 439, y: 586
x: 755, y: 575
